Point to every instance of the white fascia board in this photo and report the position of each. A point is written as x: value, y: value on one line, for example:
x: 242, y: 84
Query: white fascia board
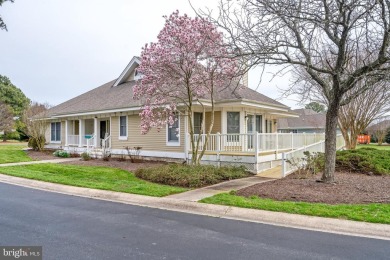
x: 125, y: 72
x: 99, y: 112
x: 252, y: 104
x: 284, y: 114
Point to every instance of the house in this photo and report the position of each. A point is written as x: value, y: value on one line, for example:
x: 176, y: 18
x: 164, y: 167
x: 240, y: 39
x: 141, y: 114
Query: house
x: 308, y: 121
x: 108, y: 117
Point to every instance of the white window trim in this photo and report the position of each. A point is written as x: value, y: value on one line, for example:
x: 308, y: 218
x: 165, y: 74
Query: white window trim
x: 173, y: 143
x: 55, y: 142
x: 123, y: 138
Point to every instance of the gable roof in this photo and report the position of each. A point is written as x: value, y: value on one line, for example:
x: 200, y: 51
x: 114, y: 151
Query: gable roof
x: 308, y: 119
x: 117, y: 95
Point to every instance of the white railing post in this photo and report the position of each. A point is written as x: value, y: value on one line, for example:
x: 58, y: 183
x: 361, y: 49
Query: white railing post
x: 256, y: 148
x: 292, y: 141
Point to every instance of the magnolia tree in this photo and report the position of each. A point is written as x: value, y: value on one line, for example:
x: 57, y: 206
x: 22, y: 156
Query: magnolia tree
x: 187, y: 66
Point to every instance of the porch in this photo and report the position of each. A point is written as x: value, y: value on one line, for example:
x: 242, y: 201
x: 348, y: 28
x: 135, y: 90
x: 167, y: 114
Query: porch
x: 88, y: 133
x: 255, y: 151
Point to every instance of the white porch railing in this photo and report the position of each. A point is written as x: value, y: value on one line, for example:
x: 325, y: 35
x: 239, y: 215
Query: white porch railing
x: 90, y: 143
x: 250, y: 143
x: 297, y: 155
x: 106, y: 142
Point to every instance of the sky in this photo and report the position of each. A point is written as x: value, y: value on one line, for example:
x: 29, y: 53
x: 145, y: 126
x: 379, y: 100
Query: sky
x: 55, y: 50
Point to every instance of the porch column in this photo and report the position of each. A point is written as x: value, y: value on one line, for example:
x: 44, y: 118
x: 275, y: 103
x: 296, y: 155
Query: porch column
x: 66, y: 132
x: 81, y: 132
x: 95, y: 131
x: 256, y: 148
x: 186, y: 137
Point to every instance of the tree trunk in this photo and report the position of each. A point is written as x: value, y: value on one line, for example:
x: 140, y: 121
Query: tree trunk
x: 330, y: 141
x: 5, y: 136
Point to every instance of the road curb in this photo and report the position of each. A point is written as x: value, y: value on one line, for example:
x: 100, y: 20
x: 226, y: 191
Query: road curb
x: 345, y: 227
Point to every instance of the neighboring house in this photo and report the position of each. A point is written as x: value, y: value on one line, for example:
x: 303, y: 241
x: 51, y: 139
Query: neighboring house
x: 108, y: 116
x: 308, y: 121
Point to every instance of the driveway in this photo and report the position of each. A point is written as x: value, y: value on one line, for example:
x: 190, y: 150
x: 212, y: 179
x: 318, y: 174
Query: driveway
x: 71, y: 227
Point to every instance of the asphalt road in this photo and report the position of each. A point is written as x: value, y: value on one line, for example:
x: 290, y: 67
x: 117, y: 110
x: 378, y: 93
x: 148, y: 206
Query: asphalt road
x: 71, y: 227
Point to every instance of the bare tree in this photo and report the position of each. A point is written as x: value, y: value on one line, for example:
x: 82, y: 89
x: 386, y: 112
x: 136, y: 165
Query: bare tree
x: 6, y: 120
x: 319, y: 36
x: 380, y: 128
x: 36, y: 124
x: 358, y: 114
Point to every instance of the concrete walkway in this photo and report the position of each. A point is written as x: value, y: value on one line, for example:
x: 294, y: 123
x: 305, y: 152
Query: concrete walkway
x: 39, y: 162
x: 346, y: 227
x: 198, y: 194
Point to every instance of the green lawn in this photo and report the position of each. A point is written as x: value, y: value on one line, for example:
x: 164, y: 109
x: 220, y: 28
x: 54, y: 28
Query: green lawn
x: 376, y: 146
x: 375, y: 213
x: 103, y: 178
x: 13, y: 153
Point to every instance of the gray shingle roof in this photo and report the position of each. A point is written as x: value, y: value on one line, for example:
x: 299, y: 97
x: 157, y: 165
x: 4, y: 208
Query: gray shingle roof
x: 107, y: 97
x: 307, y: 119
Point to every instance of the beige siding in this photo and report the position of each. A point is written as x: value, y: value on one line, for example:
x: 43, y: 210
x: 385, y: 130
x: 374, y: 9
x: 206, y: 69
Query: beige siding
x: 152, y: 141
x: 63, y: 133
x: 47, y: 133
x: 217, y: 122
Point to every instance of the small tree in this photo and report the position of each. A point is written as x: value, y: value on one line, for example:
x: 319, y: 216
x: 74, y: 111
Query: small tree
x: 6, y: 120
x: 387, y: 138
x: 355, y: 116
x: 3, y: 26
x: 379, y: 129
x: 187, y: 66
x: 319, y: 108
x: 36, y: 125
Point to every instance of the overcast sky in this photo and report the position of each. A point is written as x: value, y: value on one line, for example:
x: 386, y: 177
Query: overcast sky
x: 55, y: 50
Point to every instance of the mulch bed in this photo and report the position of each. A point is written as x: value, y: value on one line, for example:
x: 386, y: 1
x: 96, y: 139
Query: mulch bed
x: 126, y: 165
x: 349, y: 188
x: 39, y: 156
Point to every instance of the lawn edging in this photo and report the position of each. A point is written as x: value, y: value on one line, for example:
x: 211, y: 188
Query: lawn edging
x: 372, y: 213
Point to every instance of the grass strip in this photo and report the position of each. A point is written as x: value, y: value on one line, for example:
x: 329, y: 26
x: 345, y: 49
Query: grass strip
x: 103, y: 178
x: 374, y: 213
x: 13, y: 153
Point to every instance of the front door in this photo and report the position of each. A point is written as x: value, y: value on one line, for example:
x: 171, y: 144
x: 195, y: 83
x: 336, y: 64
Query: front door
x: 103, y: 129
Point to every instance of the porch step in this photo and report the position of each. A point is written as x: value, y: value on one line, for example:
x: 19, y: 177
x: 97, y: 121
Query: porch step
x: 99, y: 153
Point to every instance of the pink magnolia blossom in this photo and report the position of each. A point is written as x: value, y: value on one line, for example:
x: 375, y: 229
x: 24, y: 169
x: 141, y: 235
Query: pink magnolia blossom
x: 188, y: 62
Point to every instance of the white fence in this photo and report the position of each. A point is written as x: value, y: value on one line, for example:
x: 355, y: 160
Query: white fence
x: 294, y: 159
x: 254, y: 143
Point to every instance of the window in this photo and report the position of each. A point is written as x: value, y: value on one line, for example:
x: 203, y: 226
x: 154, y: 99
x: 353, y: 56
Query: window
x: 173, y: 133
x: 198, y: 118
x: 123, y: 127
x: 233, y: 122
x: 233, y: 126
x: 259, y: 123
x: 55, y: 132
